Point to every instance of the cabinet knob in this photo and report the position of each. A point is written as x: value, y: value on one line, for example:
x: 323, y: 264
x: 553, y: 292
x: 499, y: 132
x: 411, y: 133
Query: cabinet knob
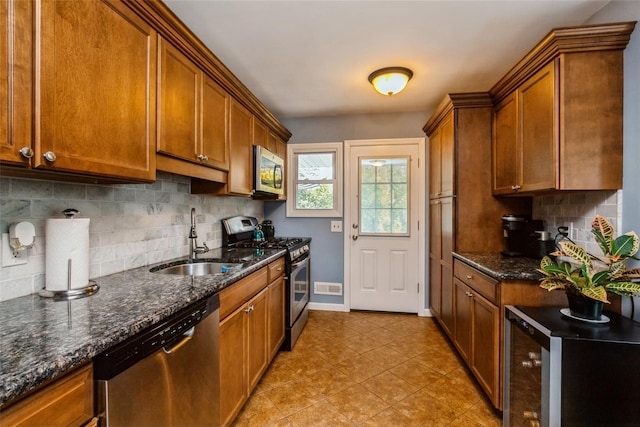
x: 469, y: 294
x: 203, y: 158
x: 248, y: 309
x: 469, y: 276
x: 50, y: 156
x: 278, y: 268
x: 515, y: 187
x: 26, y: 152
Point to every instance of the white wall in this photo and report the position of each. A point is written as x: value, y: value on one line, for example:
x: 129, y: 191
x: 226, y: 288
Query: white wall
x: 131, y: 226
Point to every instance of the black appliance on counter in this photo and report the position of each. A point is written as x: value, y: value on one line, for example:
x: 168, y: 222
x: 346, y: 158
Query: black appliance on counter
x: 237, y: 232
x: 565, y: 372
x: 520, y: 237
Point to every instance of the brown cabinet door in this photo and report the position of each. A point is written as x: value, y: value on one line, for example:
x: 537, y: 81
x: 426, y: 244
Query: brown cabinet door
x: 435, y: 251
x: 241, y: 159
x: 275, y: 326
x: 179, y: 101
x: 446, y: 262
x: 434, y: 165
x: 233, y: 361
x: 447, y: 143
x: 16, y: 23
x: 537, y: 113
x: 505, y: 146
x: 485, y: 346
x: 95, y: 91
x: 214, y: 124
x: 272, y: 143
x: 462, y: 336
x: 260, y: 134
x: 257, y: 338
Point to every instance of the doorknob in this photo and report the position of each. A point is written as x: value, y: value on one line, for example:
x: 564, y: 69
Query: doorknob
x: 354, y: 237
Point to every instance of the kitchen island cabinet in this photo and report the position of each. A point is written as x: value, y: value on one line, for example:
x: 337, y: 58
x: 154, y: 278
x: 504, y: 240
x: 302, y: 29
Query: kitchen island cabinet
x: 192, y: 118
x: 558, y: 115
x: 479, y: 299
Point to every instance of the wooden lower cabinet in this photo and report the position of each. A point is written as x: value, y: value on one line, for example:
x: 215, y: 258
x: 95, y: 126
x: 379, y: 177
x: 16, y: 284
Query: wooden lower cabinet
x: 477, y: 333
x: 251, y: 332
x: 275, y: 299
x: 68, y: 401
x: 476, y: 337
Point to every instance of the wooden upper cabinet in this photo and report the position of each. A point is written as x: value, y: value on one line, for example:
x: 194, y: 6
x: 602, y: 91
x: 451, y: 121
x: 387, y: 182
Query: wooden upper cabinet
x: 558, y: 117
x: 16, y: 89
x: 260, y: 133
x: 536, y: 107
x: 179, y: 104
x: 241, y: 150
x: 441, y: 146
x: 193, y: 113
x: 215, y: 120
x: 95, y: 91
x: 505, y: 152
x: 525, y: 143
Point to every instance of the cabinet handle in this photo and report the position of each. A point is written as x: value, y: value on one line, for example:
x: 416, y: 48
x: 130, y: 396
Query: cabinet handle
x: 469, y: 276
x: 248, y: 309
x: 26, y: 152
x: 50, y: 156
x: 469, y: 294
x: 278, y: 268
x: 203, y: 158
x: 527, y: 364
x: 515, y: 187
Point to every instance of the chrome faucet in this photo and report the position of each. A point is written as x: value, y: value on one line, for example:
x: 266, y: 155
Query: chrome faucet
x: 194, y: 249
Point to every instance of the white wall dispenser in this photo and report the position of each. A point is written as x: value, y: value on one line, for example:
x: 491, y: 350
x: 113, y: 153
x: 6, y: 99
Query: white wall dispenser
x: 67, y: 257
x: 21, y: 236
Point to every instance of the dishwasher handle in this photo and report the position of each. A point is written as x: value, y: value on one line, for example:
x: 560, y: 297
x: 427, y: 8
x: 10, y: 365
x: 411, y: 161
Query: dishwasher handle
x: 186, y: 337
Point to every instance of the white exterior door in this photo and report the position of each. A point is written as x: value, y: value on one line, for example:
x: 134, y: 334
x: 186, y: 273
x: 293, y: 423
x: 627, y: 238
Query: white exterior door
x: 384, y: 223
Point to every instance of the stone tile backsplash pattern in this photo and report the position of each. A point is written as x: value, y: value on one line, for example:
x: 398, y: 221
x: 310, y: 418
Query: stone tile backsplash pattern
x: 132, y: 225
x: 580, y: 209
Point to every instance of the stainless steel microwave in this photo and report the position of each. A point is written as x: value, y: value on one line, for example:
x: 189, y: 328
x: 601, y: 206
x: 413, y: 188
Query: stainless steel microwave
x: 268, y: 172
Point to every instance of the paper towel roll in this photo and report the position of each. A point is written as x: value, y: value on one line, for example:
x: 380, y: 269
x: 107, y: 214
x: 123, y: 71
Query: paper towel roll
x: 67, y: 239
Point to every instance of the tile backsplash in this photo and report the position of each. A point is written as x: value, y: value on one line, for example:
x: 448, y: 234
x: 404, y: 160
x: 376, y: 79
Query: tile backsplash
x: 132, y: 225
x: 577, y: 210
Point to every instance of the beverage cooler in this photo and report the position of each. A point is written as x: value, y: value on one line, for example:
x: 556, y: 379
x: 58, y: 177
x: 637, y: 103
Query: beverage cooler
x: 565, y: 372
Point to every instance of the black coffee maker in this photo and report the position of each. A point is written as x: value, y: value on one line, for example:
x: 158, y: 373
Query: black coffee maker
x: 519, y: 234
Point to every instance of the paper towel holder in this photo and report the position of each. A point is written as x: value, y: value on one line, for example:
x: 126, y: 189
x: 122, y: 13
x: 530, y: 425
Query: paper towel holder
x: 67, y: 294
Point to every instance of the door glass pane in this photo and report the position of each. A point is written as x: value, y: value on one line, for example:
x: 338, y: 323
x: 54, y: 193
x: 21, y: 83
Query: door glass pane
x: 383, y: 196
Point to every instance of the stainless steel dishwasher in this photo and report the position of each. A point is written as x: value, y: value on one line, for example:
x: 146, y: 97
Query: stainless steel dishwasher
x: 167, y: 375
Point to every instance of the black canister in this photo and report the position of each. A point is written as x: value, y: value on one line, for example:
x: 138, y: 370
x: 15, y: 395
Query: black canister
x: 268, y: 229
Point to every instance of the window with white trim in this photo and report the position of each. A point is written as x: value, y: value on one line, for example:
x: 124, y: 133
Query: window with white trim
x: 314, y: 183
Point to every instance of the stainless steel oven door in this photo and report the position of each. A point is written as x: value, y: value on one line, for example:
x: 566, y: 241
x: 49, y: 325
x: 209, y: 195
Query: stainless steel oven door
x: 298, y: 285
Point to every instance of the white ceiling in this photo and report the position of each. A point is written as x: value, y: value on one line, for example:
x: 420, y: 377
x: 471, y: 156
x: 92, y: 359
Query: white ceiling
x: 312, y: 58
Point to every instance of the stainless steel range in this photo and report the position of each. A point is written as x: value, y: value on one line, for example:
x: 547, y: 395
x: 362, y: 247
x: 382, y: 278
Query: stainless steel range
x: 238, y: 234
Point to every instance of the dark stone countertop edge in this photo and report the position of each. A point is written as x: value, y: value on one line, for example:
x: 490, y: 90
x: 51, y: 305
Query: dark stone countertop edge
x: 43, y: 368
x: 500, y: 267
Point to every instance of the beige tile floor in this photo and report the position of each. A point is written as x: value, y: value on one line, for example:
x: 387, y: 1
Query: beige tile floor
x: 368, y: 369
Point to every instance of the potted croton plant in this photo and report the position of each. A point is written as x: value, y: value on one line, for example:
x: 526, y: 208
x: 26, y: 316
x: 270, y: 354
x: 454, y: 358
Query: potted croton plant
x: 586, y: 278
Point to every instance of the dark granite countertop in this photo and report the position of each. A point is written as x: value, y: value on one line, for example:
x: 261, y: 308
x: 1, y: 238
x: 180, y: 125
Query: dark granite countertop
x: 41, y: 338
x: 501, y: 267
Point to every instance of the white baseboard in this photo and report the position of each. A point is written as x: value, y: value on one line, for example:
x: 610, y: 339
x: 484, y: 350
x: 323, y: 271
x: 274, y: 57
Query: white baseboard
x: 425, y: 313
x: 327, y: 307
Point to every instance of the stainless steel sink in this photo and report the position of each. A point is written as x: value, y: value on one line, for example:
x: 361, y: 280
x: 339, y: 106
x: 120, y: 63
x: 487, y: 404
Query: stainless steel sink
x: 196, y: 268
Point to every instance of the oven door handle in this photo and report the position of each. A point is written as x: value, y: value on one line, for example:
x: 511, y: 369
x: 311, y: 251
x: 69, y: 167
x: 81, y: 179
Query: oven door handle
x: 299, y: 263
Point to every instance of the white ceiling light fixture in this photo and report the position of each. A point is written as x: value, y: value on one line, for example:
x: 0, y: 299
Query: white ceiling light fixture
x: 377, y: 162
x: 390, y: 80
